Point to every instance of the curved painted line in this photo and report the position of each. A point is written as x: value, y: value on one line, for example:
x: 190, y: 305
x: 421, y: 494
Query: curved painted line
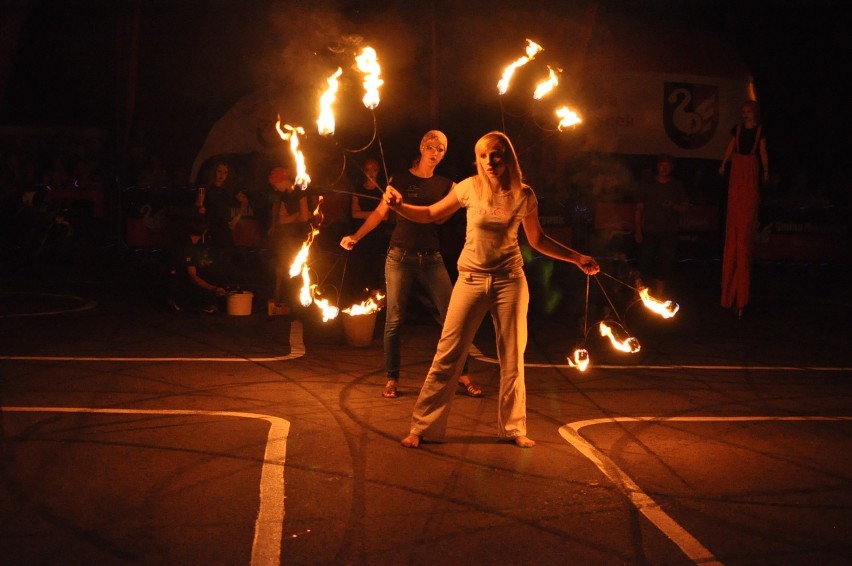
x: 297, y: 350
x: 690, y: 546
x: 268, y: 527
x: 87, y: 304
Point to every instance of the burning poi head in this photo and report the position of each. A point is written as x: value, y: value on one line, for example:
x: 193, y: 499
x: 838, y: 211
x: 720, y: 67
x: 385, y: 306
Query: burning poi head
x: 629, y: 344
x: 533, y: 48
x: 292, y: 134
x: 665, y: 309
x: 368, y: 64
x: 579, y: 360
x: 325, y: 122
x: 547, y: 85
x: 567, y: 118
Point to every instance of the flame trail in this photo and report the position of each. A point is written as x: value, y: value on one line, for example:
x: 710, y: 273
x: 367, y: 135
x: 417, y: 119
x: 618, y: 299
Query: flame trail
x: 367, y: 306
x: 292, y: 134
x: 368, y: 64
x: 547, y: 85
x: 532, y: 50
x: 328, y: 310
x: 665, y: 309
x: 325, y: 122
x: 567, y: 118
x: 629, y: 344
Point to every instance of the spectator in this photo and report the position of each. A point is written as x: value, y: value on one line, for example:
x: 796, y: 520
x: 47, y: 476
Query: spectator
x: 748, y: 156
x: 288, y: 229
x: 661, y: 201
x: 367, y: 263
x: 222, y: 206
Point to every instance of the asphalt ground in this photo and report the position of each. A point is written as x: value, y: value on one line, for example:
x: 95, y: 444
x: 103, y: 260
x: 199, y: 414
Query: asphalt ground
x: 132, y: 435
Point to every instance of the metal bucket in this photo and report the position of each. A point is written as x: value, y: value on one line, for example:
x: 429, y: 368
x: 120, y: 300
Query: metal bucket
x: 239, y: 303
x: 358, y: 329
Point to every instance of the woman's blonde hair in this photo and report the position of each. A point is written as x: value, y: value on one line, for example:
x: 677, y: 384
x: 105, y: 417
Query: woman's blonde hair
x: 510, y: 159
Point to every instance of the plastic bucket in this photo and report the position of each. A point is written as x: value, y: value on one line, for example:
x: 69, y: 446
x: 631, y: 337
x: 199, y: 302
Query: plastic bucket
x: 358, y: 329
x: 239, y: 304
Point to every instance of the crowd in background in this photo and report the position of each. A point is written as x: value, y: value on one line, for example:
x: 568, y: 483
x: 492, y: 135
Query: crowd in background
x: 67, y: 190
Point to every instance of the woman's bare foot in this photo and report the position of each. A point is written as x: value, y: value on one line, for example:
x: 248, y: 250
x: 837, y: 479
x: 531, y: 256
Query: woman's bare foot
x: 411, y: 441
x: 524, y: 442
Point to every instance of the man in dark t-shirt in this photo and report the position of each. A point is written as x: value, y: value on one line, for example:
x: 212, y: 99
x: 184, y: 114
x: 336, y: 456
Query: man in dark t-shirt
x: 189, y: 290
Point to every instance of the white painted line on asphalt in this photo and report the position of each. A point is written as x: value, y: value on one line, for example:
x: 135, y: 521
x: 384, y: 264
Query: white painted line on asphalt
x: 690, y: 546
x: 85, y: 304
x: 266, y: 547
x: 297, y: 350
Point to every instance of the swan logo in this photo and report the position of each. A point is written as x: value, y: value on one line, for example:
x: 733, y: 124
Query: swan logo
x: 690, y: 113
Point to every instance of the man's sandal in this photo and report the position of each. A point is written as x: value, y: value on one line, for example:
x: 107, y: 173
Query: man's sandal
x: 471, y: 389
x: 390, y: 391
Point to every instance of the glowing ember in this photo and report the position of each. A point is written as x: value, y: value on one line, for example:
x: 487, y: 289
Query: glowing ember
x: 580, y: 359
x: 567, y: 118
x: 325, y: 122
x: 292, y: 134
x: 665, y: 309
x: 547, y: 85
x: 368, y: 64
x: 629, y: 345
x: 368, y: 306
x: 532, y: 49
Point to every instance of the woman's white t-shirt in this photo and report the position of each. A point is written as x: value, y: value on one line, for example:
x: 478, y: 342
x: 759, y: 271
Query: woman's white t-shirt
x: 491, y: 238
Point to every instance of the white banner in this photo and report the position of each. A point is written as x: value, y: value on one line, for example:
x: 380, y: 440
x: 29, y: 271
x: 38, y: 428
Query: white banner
x: 650, y: 113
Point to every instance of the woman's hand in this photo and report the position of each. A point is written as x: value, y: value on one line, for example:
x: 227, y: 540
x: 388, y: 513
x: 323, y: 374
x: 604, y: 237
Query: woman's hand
x: 588, y: 265
x: 392, y: 198
x: 348, y: 242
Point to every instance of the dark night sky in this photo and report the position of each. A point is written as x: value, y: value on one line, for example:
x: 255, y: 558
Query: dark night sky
x: 196, y: 59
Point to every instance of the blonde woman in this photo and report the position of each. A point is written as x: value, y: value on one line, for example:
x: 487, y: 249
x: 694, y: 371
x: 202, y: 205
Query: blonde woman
x: 491, y: 280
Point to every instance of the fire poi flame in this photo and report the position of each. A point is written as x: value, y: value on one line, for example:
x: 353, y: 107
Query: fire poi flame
x: 579, y: 360
x: 368, y: 64
x: 308, y: 293
x: 547, y: 85
x: 367, y: 306
x: 325, y: 122
x: 665, y: 309
x: 302, y: 257
x: 629, y: 344
x: 292, y: 134
x: 300, y: 263
x: 533, y: 49
x: 567, y: 118
x: 328, y: 310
